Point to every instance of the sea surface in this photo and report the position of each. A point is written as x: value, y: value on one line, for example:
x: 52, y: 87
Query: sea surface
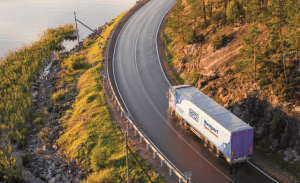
x: 24, y: 21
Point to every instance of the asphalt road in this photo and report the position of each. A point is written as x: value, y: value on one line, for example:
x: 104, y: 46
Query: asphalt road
x: 143, y: 87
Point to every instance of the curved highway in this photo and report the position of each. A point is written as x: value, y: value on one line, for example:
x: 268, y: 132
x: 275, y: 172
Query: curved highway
x: 143, y: 87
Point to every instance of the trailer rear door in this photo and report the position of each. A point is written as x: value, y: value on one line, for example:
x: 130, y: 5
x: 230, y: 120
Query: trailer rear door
x: 241, y: 143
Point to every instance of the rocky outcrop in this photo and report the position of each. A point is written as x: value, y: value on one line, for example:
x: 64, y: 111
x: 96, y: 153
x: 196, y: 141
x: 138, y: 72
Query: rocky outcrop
x: 46, y: 162
x: 271, y: 125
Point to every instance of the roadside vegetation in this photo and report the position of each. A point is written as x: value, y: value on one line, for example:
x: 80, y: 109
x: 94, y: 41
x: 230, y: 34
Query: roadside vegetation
x: 91, y: 136
x: 199, y: 32
x: 18, y: 70
x: 270, y: 53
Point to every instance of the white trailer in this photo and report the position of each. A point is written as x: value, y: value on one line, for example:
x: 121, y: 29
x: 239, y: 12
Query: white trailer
x: 220, y: 129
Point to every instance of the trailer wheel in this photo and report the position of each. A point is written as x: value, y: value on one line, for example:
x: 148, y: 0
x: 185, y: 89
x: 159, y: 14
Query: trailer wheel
x: 172, y: 112
x: 181, y: 122
x: 187, y: 127
x: 218, y: 154
x: 205, y: 142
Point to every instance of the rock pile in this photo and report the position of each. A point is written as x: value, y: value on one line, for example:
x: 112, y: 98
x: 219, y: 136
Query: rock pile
x: 45, y: 160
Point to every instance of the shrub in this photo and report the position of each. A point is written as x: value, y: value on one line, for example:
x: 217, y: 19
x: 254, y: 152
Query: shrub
x: 232, y: 11
x: 60, y: 95
x: 74, y: 62
x: 219, y: 41
x: 38, y: 122
x: 55, y: 62
x: 99, y: 158
x: 87, y: 42
x: 43, y: 136
x: 25, y: 158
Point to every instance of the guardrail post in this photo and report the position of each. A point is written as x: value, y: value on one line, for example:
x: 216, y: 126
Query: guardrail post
x: 115, y: 102
x: 141, y: 139
x: 135, y: 132
x: 112, y: 97
x: 180, y: 180
x: 122, y: 114
x: 130, y: 126
x: 154, y: 154
x: 147, y: 146
x: 118, y: 108
x: 171, y: 171
x: 162, y: 163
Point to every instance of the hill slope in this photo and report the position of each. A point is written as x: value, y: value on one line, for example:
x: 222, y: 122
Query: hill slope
x: 244, y: 55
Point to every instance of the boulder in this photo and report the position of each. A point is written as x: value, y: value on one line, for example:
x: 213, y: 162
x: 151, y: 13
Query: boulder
x: 58, y: 177
x: 49, y: 176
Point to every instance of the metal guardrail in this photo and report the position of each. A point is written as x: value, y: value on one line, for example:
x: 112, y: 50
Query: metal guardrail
x: 143, y: 137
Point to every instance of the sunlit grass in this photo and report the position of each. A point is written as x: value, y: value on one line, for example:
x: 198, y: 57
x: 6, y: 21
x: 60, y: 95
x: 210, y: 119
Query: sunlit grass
x: 92, y: 137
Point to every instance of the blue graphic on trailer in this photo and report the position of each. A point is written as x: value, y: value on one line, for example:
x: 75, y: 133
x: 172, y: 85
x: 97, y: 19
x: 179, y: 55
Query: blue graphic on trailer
x: 178, y: 98
x: 193, y: 115
x: 225, y: 148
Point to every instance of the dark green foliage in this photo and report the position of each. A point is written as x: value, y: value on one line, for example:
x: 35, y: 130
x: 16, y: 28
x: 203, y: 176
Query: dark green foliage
x: 25, y: 158
x: 219, y: 41
x: 38, y: 122
x: 60, y: 95
x: 234, y: 12
x: 75, y: 63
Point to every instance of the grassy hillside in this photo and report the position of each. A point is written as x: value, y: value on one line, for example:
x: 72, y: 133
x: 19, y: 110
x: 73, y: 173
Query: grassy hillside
x: 244, y: 55
x: 91, y: 136
x: 18, y: 70
x: 267, y: 51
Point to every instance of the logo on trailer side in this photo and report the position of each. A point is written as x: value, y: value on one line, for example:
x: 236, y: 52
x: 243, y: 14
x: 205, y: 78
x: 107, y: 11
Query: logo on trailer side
x: 193, y: 115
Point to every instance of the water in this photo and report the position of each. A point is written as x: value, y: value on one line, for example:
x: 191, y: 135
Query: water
x: 23, y: 21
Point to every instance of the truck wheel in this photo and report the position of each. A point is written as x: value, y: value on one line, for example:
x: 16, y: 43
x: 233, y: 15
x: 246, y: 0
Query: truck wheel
x: 205, y: 142
x: 172, y: 112
x: 218, y: 154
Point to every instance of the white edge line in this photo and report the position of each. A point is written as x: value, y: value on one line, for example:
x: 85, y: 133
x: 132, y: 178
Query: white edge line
x: 262, y: 171
x: 146, y: 95
x: 171, y: 85
x: 125, y: 104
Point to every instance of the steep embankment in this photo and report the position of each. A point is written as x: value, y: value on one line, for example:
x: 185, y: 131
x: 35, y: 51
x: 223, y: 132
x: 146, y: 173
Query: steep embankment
x: 79, y: 138
x: 236, y: 60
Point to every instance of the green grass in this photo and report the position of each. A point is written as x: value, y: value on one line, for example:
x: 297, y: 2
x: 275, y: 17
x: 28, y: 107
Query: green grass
x: 18, y: 70
x: 167, y: 41
x: 43, y: 136
x: 277, y: 160
x: 102, y: 142
x: 60, y: 95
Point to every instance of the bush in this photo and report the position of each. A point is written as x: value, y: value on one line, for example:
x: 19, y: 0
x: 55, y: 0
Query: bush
x: 38, y: 122
x: 60, y: 95
x: 220, y: 41
x: 99, y: 157
x: 87, y: 42
x: 55, y: 62
x: 25, y: 158
x: 43, y: 136
x: 74, y: 63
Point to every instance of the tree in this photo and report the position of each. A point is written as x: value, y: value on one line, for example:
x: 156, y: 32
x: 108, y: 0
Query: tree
x: 194, y: 16
x: 277, y: 20
x: 204, y: 13
x: 250, y: 46
x: 176, y: 21
x: 293, y: 20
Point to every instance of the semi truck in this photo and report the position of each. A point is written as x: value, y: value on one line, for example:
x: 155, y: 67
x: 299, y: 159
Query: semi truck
x: 223, y: 132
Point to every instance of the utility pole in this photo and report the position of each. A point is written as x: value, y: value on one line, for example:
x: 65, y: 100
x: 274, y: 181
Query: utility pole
x: 76, y: 30
x: 127, y: 155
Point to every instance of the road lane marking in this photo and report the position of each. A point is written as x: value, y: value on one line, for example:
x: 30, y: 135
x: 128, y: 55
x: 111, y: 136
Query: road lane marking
x: 262, y: 172
x: 148, y: 98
